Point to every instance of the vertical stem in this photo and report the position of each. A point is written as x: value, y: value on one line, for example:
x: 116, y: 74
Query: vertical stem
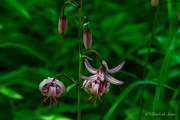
x: 80, y: 57
x: 147, y: 58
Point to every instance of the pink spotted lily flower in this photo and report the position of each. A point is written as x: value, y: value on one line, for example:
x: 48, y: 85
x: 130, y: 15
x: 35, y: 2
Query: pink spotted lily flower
x: 51, y: 88
x: 99, y: 83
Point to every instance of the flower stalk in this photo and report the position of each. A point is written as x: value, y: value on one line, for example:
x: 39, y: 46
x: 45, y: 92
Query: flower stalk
x: 80, y: 58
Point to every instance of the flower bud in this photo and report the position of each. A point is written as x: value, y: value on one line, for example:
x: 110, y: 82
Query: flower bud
x: 179, y: 16
x: 154, y: 3
x: 62, y: 24
x: 87, y: 38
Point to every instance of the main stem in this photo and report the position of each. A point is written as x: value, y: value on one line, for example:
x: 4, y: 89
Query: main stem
x: 80, y: 58
x: 147, y: 58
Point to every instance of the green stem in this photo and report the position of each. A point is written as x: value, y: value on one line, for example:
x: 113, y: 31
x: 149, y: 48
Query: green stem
x: 147, y: 58
x: 80, y: 58
x: 165, y: 66
x: 64, y: 76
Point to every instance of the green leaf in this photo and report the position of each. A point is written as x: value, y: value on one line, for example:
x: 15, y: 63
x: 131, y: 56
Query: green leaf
x: 19, y: 7
x: 67, y: 89
x: 164, y: 72
x: 24, y: 47
x: 10, y: 93
x: 145, y: 50
x: 125, y: 92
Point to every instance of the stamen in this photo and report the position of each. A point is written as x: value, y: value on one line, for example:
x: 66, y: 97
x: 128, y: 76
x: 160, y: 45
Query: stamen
x: 101, y: 99
x: 90, y: 96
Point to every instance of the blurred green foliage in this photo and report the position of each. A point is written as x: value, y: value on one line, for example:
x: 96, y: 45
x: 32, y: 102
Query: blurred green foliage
x: 31, y: 49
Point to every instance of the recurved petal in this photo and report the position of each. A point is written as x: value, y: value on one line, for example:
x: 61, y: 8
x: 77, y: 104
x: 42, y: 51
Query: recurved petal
x: 60, y: 84
x: 89, y: 67
x: 101, y: 76
x: 90, y: 78
x: 105, y: 64
x: 113, y: 80
x: 87, y: 84
x: 44, y: 89
x: 116, y: 69
x: 42, y: 84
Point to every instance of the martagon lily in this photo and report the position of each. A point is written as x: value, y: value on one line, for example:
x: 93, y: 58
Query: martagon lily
x: 99, y: 83
x: 52, y: 88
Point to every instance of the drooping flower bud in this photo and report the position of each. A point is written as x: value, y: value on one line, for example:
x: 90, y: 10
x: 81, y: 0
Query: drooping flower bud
x: 62, y: 24
x: 87, y: 38
x: 179, y: 16
x: 154, y: 3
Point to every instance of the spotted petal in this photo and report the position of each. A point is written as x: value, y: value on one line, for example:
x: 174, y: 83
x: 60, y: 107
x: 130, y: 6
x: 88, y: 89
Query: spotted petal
x: 113, y: 80
x: 89, y: 67
x: 116, y: 69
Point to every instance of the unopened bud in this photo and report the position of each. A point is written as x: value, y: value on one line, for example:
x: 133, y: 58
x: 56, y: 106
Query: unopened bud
x: 154, y: 3
x: 179, y: 16
x: 87, y: 38
x: 62, y: 24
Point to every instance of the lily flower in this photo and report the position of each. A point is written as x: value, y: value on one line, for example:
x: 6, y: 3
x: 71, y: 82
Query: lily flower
x: 102, y: 73
x: 99, y: 83
x: 97, y: 88
x: 52, y: 88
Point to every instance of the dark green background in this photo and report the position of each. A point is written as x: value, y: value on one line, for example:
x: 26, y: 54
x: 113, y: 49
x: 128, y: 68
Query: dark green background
x: 31, y: 49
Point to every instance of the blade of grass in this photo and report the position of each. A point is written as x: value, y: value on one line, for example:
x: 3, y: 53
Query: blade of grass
x: 163, y: 73
x: 125, y: 92
x: 19, y: 7
x: 175, y: 102
x: 24, y: 47
x: 10, y: 93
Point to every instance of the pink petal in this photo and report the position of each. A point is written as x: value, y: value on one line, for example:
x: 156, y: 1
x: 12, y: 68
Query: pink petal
x: 52, y: 91
x: 106, y: 88
x: 58, y: 90
x: 42, y: 84
x: 101, y: 74
x: 113, y: 80
x: 59, y: 84
x: 95, y: 89
x: 116, y: 69
x: 90, y: 78
x: 87, y: 84
x: 89, y: 67
x: 105, y: 64
x: 44, y: 90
